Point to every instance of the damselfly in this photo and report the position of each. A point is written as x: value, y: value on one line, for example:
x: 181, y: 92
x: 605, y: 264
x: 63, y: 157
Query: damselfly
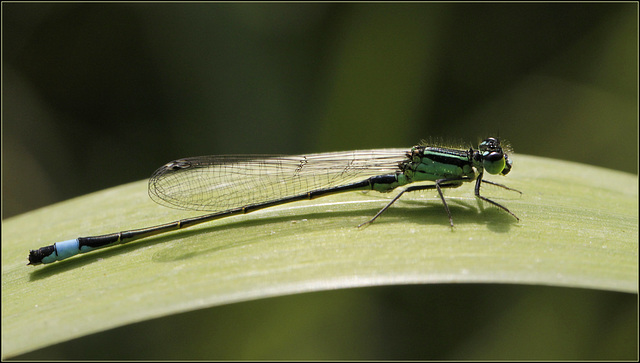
x: 230, y: 185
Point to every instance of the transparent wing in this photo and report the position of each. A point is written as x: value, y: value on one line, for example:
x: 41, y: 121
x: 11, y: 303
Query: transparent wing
x: 217, y: 183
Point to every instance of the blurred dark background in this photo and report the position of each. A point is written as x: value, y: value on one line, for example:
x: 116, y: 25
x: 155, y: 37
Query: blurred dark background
x: 97, y: 95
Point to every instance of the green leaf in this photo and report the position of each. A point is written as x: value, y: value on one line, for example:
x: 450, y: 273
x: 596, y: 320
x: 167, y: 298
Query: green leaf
x: 578, y: 228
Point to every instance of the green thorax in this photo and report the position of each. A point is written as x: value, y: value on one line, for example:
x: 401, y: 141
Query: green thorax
x: 433, y: 163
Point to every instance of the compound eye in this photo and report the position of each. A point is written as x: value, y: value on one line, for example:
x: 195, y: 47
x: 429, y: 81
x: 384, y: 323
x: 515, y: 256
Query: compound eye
x: 507, y: 165
x: 494, y: 162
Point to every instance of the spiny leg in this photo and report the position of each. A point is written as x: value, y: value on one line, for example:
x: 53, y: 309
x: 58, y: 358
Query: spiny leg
x: 441, y: 183
x: 501, y: 186
x: 477, y: 192
x: 446, y: 206
x: 383, y: 209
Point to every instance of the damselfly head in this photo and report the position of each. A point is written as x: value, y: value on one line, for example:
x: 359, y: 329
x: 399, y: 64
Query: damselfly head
x: 494, y: 160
